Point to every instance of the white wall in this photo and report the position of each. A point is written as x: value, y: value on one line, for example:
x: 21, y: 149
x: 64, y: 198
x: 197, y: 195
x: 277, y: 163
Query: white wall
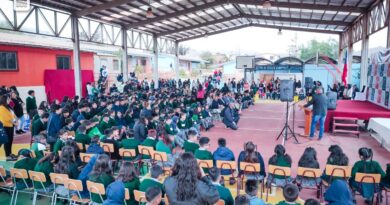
x: 40, y: 93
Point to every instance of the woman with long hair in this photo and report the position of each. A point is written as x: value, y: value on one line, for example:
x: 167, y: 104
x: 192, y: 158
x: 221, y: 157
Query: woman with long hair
x: 66, y: 165
x: 8, y: 120
x: 282, y: 159
x: 336, y: 157
x: 368, y: 166
x: 308, y: 160
x: 101, y: 173
x: 45, y: 166
x: 188, y: 185
x: 251, y: 155
x: 167, y: 145
x: 128, y: 175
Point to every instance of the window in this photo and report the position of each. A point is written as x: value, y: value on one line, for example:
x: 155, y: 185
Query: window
x: 143, y: 61
x: 115, y: 64
x: 8, y: 61
x: 63, y: 62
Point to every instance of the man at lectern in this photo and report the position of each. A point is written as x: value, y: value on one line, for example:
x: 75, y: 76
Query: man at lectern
x: 320, y: 106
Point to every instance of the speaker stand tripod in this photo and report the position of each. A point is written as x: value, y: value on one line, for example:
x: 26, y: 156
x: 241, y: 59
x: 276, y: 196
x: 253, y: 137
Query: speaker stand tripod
x: 287, y: 129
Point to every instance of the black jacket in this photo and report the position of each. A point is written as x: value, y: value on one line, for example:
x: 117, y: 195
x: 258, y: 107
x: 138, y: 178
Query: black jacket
x: 320, y: 104
x: 139, y: 131
x: 18, y: 108
x: 206, y: 192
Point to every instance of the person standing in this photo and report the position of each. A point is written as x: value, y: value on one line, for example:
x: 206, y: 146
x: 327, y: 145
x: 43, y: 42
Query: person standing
x: 320, y: 107
x: 17, y: 105
x: 31, y: 104
x: 53, y: 125
x: 8, y: 119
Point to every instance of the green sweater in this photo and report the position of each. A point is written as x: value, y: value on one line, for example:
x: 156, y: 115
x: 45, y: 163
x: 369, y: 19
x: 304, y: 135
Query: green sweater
x: 162, y: 147
x: 104, y: 125
x: 31, y: 104
x: 169, y: 130
x: 285, y: 203
x: 149, y: 182
x: 104, y: 179
x: 46, y: 167
x: 225, y: 194
x: 149, y: 142
x: 130, y: 143
x: 27, y: 164
x: 203, y: 155
x: 95, y: 131
x: 184, y: 124
x: 58, y: 146
x: 82, y: 138
x: 132, y: 185
x: 38, y: 154
x: 190, y: 146
x: 280, y: 161
x: 369, y: 167
x: 37, y: 127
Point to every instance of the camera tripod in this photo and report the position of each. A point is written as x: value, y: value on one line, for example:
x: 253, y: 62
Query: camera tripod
x: 287, y: 129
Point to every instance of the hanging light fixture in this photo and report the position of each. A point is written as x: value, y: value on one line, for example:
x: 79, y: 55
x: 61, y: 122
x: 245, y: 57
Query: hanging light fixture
x: 267, y: 5
x: 149, y: 11
x: 280, y: 32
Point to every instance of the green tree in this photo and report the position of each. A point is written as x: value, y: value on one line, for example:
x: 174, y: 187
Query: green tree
x: 329, y: 48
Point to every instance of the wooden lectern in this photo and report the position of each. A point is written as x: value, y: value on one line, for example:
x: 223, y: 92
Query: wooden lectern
x: 308, y: 116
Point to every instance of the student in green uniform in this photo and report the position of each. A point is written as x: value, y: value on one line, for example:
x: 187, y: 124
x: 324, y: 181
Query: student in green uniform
x: 224, y: 193
x: 104, y: 124
x: 156, y: 175
x: 191, y: 145
x: 45, y: 166
x: 336, y: 157
x: 290, y: 193
x: 81, y: 136
x: 167, y: 145
x: 101, y: 173
x: 25, y: 162
x: 40, y: 124
x: 130, y: 143
x: 369, y: 166
x: 38, y: 145
x: 67, y: 163
x: 169, y: 129
x: 151, y: 140
x: 280, y: 158
x: 31, y: 104
x: 153, y: 196
x: 128, y: 175
x: 39, y: 114
x: 63, y: 136
x: 111, y: 120
x: 203, y: 152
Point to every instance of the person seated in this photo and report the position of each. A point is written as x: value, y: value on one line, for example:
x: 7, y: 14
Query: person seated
x: 206, y: 118
x: 63, y: 137
x: 241, y: 200
x: 170, y: 130
x: 230, y: 118
x: 368, y: 166
x: 115, y: 193
x: 338, y: 193
x: 312, y: 202
x: 40, y: 124
x: 188, y: 184
x: 45, y: 166
x: 203, y: 152
x: 113, y: 138
x: 151, y: 140
x: 153, y: 196
x: 104, y: 124
x: 280, y: 158
x: 25, y: 161
x: 140, y: 129
x: 101, y: 173
x: 156, y: 174
x: 184, y: 124
x: 191, y: 145
x: 94, y: 146
x: 66, y: 165
x: 224, y: 193
x: 223, y: 154
x: 38, y: 145
x: 128, y: 175
x: 308, y: 160
x: 81, y: 136
x: 336, y: 157
x: 130, y: 143
x: 167, y: 145
x: 290, y: 194
x: 385, y: 182
x: 250, y: 155
x: 251, y: 190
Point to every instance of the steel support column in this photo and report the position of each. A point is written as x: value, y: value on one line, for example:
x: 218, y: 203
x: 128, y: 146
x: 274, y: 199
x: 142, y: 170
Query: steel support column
x: 76, y: 55
x: 350, y: 54
x: 124, y: 55
x: 155, y: 61
x: 364, y: 54
x: 177, y: 62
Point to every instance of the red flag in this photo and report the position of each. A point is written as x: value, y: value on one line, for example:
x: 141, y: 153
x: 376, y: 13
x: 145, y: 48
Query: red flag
x: 345, y: 70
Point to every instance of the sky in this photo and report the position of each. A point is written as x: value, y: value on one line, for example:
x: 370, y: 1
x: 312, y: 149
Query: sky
x: 254, y: 40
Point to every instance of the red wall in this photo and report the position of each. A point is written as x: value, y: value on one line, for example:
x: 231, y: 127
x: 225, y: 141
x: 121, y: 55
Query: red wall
x: 33, y: 61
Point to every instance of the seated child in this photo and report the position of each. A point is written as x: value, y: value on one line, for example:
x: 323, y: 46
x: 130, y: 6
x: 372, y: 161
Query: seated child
x: 81, y: 136
x: 38, y: 145
x: 336, y: 157
x: 101, y: 173
x: 308, y: 160
x: 151, y: 140
x: 63, y: 136
x: 191, y: 145
x: 45, y: 166
x: 251, y: 190
x: 115, y: 193
x: 223, y: 153
x: 94, y: 147
x: 224, y: 193
x: 113, y: 137
x: 24, y: 162
x: 128, y: 175
x: 203, y: 152
x: 153, y: 196
x: 156, y: 174
x: 206, y: 118
x: 130, y: 143
x: 338, y: 193
x: 290, y: 193
x: 280, y: 158
x: 241, y: 200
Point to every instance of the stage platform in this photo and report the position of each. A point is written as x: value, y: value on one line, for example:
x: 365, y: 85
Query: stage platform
x: 362, y: 110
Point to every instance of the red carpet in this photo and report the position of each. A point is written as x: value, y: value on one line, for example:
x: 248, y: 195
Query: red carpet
x: 362, y: 110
